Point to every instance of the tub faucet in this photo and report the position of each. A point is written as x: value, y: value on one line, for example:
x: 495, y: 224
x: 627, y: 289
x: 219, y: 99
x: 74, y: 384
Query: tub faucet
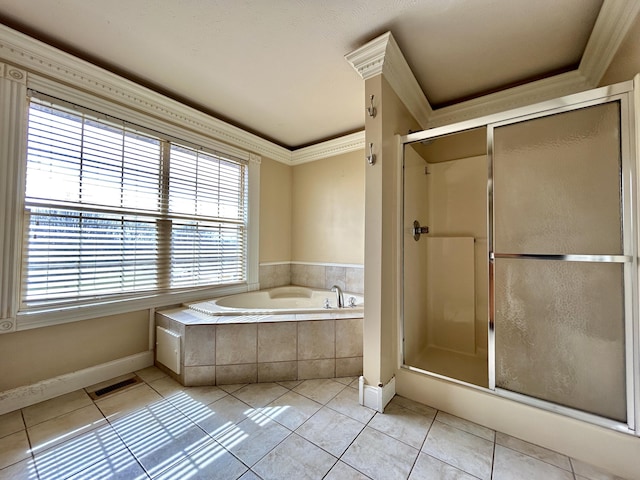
x: 339, y: 297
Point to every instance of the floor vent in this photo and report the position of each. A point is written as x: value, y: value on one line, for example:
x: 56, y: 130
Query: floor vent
x: 115, y: 387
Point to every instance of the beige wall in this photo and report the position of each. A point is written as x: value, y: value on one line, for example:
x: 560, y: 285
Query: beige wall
x: 381, y: 232
x: 328, y: 210
x: 275, y: 211
x: 30, y: 356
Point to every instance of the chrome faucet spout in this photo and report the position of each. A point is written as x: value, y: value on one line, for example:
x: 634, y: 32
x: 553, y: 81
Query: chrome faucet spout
x: 339, y: 296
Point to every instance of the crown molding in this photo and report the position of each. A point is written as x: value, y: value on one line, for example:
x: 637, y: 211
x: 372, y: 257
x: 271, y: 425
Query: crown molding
x: 330, y: 148
x: 382, y: 55
x: 34, y: 57
x: 39, y: 58
x: 533, y: 92
x: 615, y: 19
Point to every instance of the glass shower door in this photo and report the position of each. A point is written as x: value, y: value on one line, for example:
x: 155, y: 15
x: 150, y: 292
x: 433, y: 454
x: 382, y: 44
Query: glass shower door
x: 559, y: 261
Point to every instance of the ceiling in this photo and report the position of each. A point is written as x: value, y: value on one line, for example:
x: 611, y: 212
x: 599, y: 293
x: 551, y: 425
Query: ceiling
x: 276, y: 67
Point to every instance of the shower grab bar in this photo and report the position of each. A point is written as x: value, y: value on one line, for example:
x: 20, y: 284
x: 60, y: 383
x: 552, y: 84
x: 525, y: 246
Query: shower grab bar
x: 565, y: 258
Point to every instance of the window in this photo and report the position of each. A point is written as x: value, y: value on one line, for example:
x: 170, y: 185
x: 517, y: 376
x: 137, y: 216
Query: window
x: 113, y: 210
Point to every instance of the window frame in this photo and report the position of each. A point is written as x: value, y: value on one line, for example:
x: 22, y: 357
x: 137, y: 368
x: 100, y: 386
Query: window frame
x: 46, y: 315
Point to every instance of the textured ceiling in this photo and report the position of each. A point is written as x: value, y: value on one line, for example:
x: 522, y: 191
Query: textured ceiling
x: 277, y: 68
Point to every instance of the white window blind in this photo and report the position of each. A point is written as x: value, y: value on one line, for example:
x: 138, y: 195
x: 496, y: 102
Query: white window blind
x: 114, y: 210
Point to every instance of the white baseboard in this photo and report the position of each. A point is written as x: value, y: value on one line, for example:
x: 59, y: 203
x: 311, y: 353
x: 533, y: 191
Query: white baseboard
x: 376, y: 397
x: 21, y: 397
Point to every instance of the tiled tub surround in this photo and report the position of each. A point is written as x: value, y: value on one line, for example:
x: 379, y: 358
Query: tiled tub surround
x: 218, y: 350
x: 348, y: 277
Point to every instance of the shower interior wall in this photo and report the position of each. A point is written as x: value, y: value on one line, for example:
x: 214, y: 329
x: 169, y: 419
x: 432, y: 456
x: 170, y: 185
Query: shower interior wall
x: 448, y: 268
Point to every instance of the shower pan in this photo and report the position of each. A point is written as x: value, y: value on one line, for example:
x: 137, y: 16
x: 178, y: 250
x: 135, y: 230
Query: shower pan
x: 521, y: 279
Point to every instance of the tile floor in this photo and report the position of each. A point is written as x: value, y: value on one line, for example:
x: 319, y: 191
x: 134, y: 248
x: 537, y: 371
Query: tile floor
x: 312, y: 429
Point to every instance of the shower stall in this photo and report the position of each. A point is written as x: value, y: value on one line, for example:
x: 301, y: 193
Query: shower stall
x: 519, y: 268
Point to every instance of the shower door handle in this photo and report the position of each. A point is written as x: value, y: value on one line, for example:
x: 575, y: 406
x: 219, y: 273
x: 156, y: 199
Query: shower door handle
x: 418, y: 230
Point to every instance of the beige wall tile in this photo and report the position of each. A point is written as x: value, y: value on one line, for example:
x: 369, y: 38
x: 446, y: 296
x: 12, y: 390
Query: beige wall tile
x: 234, y: 374
x: 277, y: 371
x: 200, y: 345
x: 316, y: 340
x: 236, y: 344
x: 354, y: 282
x: 348, y: 367
x: 335, y: 276
x: 271, y: 276
x: 277, y: 342
x: 308, y: 275
x: 349, y: 338
x: 308, y: 369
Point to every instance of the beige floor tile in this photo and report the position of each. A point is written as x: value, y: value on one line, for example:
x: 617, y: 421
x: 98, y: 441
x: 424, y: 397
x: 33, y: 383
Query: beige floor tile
x: 345, y: 380
x: 11, y: 423
x: 14, y: 448
x: 511, y: 465
x: 290, y: 384
x: 232, y: 387
x: 249, y: 475
x: 342, y: 471
x: 320, y: 390
x: 159, y: 436
x: 166, y: 386
x: 253, y: 438
x: 379, y: 456
x: 295, y: 458
x: 191, y: 399
x: 413, y: 406
x: 130, y: 400
x: 534, y: 451
x: 429, y: 467
x: 591, y: 472
x: 221, y: 415
x: 150, y: 374
x: 346, y: 402
x: 24, y: 470
x: 402, y: 424
x: 60, y: 429
x: 260, y: 394
x: 291, y: 409
x: 466, y: 425
x: 79, y: 453
x: 121, y: 465
x: 461, y: 449
x: 55, y: 407
x: 330, y: 430
x: 211, y: 462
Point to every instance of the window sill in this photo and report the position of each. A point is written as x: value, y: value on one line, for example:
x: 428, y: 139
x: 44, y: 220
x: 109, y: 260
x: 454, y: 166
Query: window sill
x: 56, y: 315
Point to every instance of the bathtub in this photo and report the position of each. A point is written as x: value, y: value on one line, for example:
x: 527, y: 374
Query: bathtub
x: 291, y: 300
x: 274, y: 335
